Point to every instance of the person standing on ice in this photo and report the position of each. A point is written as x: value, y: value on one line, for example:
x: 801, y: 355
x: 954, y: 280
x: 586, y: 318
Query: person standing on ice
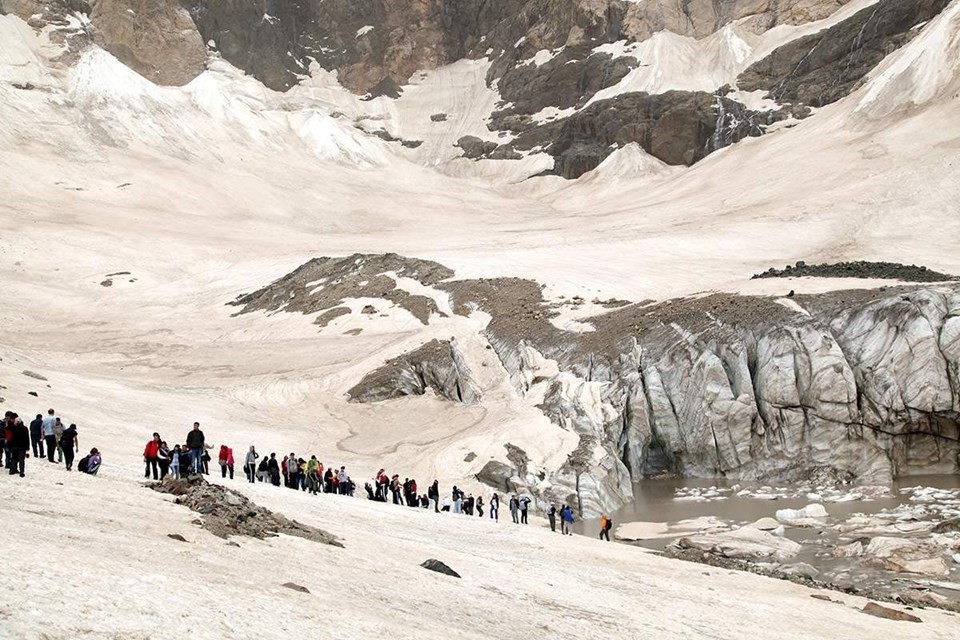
x: 57, y: 432
x: 480, y: 506
x: 49, y: 422
x: 495, y: 507
x: 605, y: 525
x: 225, y: 459
x: 552, y: 517
x: 524, y: 504
x: 433, y: 495
x: 69, y: 444
x: 175, y: 457
x: 273, y: 468
x: 250, y: 464
x: 36, y: 436
x: 163, y: 459
x: 566, y: 517
x: 514, y: 509
x: 457, y: 500
x: 312, y: 478
x: 195, y: 442
x: 18, y: 445
x: 343, y: 482
x: 150, y: 454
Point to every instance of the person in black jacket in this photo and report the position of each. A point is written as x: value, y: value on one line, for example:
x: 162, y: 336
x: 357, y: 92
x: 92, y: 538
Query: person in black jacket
x: 433, y: 493
x: 36, y: 436
x: 195, y: 442
x: 552, y: 517
x: 69, y: 444
x: 274, y: 468
x: 18, y: 446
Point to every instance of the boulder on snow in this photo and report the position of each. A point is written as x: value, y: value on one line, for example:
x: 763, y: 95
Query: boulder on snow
x: 496, y: 474
x: 874, y: 609
x: 296, y: 587
x: 176, y: 536
x: 745, y: 543
x: 906, y: 555
x: 439, y: 567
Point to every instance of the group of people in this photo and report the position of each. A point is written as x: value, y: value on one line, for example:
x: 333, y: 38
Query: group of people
x: 296, y: 472
x: 46, y: 432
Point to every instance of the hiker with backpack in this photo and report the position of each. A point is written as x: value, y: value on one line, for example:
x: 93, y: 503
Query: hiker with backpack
x: 91, y: 463
x: 605, y: 525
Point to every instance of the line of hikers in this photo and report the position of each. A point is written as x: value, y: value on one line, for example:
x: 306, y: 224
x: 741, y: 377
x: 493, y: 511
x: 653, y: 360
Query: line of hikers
x: 310, y: 475
x: 45, y: 432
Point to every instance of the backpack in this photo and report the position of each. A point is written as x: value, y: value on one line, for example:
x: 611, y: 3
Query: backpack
x: 82, y: 465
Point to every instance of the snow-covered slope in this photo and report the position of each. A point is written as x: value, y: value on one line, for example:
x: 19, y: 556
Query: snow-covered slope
x: 213, y: 189
x: 113, y: 560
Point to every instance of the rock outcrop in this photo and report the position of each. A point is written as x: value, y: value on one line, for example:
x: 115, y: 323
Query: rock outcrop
x: 155, y: 38
x: 323, y: 284
x: 677, y: 127
x: 225, y: 512
x: 437, y: 366
x: 823, y: 67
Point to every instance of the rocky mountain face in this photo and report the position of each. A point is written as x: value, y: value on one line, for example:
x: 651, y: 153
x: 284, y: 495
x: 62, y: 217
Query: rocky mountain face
x: 850, y: 385
x: 546, y: 57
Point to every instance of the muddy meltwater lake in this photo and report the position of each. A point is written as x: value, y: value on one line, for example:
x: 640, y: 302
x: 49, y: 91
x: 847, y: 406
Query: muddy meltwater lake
x: 900, y: 540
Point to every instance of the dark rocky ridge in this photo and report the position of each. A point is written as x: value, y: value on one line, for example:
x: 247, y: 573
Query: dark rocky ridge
x: 859, y: 269
x: 322, y: 284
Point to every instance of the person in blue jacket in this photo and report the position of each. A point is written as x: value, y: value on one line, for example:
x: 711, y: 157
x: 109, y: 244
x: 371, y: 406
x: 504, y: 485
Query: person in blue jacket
x: 566, y: 520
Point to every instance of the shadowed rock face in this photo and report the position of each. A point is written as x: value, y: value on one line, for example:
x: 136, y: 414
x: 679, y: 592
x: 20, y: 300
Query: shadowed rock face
x: 678, y: 127
x: 826, y: 66
x: 437, y: 365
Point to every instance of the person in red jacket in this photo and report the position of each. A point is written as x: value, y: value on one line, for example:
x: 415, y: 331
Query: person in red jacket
x: 150, y: 455
x: 226, y: 461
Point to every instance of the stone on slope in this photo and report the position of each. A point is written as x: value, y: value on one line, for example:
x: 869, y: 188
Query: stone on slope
x: 880, y: 611
x: 439, y: 567
x: 295, y: 587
